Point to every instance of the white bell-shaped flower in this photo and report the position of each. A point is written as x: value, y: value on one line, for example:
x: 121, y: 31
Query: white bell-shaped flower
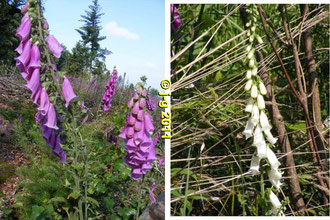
x: 248, y: 48
x: 248, y: 85
x: 275, y: 178
x: 272, y: 159
x: 254, y: 167
x: 275, y: 202
x: 264, y: 121
x: 249, y: 105
x: 248, y: 131
x: 262, y: 88
x: 254, y: 71
x: 248, y: 74
x: 255, y: 115
x: 254, y: 91
x: 261, y: 102
x: 259, y: 142
x: 270, y: 137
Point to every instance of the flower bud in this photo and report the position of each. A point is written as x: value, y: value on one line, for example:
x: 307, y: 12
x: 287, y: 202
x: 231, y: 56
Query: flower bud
x: 259, y: 39
x: 261, y: 102
x: 254, y: 91
x: 250, y: 54
x: 130, y: 103
x: 249, y: 105
x: 248, y: 85
x: 262, y: 88
x: 248, y: 74
x: 251, y: 63
x: 248, y: 48
x: 254, y: 71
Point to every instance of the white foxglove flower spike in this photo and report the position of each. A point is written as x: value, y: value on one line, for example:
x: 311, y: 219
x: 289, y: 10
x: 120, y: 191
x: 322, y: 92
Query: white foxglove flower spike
x: 261, y: 102
x: 248, y: 85
x: 249, y: 105
x: 262, y: 88
x: 275, y: 178
x: 254, y: 91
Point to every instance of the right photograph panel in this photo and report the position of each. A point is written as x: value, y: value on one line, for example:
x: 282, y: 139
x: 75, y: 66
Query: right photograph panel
x: 250, y: 110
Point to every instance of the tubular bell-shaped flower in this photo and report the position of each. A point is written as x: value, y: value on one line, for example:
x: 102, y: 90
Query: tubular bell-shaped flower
x: 54, y: 46
x: 67, y: 91
x: 275, y: 202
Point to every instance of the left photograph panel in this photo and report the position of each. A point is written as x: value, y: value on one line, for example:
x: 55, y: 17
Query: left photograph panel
x: 80, y: 125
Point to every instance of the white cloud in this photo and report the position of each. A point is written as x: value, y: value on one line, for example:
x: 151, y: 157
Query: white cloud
x: 114, y: 30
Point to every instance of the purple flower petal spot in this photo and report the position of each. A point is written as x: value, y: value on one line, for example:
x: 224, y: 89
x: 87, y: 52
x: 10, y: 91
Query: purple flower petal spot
x: 54, y: 46
x: 67, y: 91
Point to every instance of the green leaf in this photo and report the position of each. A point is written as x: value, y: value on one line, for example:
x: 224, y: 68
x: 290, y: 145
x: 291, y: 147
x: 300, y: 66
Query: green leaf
x: 126, y: 212
x: 109, y: 203
x: 101, y: 188
x: 58, y: 199
x: 75, y: 194
x: 36, y: 211
x: 91, y: 200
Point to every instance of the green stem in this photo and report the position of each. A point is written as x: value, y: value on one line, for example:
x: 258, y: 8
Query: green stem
x: 262, y: 188
x: 140, y: 198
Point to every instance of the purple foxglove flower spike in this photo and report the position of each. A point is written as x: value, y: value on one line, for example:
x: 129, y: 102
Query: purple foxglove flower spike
x: 67, y: 91
x: 51, y: 117
x: 54, y: 46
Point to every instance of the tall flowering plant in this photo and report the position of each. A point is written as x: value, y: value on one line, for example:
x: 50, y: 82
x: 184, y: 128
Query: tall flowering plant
x: 139, y: 146
x: 176, y: 23
x: 41, y: 78
x: 52, y: 93
x: 258, y: 125
x: 109, y: 91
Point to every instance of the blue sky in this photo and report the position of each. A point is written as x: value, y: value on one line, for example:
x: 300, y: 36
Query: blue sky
x: 134, y: 31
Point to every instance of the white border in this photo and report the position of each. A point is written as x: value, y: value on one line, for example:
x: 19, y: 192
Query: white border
x: 167, y: 76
